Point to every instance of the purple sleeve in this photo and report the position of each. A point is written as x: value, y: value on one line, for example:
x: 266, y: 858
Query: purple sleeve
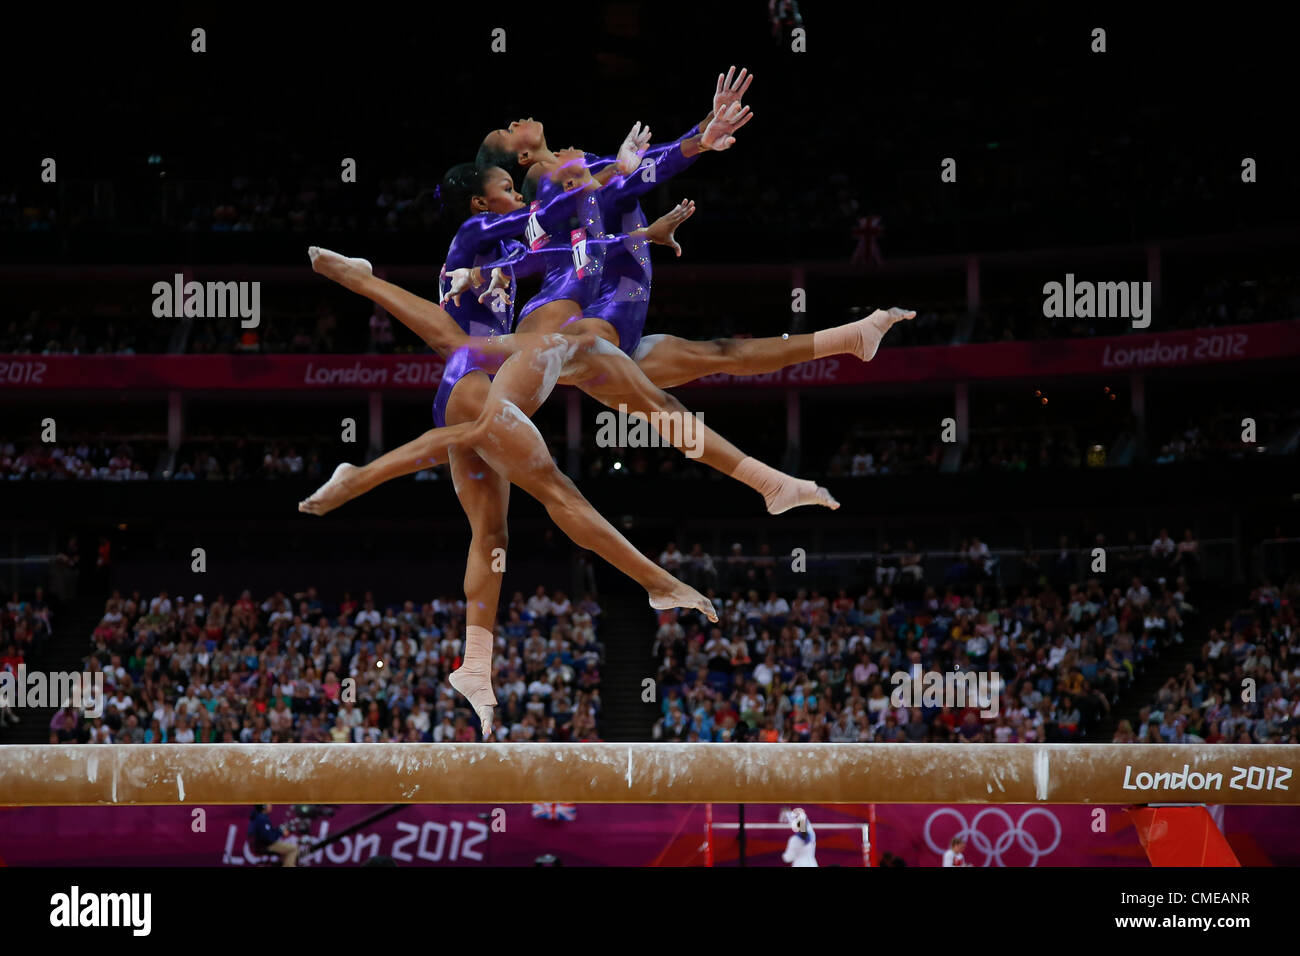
x: 668, y: 161
x: 479, y: 232
x: 597, y: 163
x: 526, y: 262
x: 513, y: 254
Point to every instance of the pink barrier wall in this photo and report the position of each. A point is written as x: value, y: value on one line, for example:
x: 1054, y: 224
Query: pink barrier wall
x: 642, y: 835
x: 309, y: 373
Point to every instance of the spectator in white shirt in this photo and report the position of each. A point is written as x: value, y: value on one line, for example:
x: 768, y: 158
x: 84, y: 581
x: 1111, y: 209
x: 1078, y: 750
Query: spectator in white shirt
x: 419, y: 719
x: 1057, y: 652
x: 190, y: 703
x: 1163, y: 556
x: 445, y: 732
x: 1163, y: 547
x: 776, y: 606
x: 161, y: 605
x: 368, y: 615
x: 1138, y: 595
x: 560, y: 605
x: 539, y: 605
x: 980, y: 556
x: 184, y: 733
x: 165, y: 714
x: 670, y: 559
x: 955, y: 855
x: 281, y: 613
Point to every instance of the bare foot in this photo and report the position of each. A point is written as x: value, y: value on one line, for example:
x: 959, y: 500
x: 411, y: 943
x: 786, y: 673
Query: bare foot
x: 680, y: 594
x: 338, y: 267
x: 797, y: 492
x: 873, y: 328
x: 331, y: 494
x: 476, y: 687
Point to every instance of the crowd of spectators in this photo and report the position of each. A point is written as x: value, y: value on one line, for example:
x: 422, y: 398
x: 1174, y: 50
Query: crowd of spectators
x: 316, y: 331
x: 884, y: 456
x: 46, y: 334
x: 244, y: 459
x: 1219, y: 435
x: 1244, y: 686
x: 133, y: 330
x: 208, y: 454
x: 294, y: 669
x: 235, y: 459
x: 1210, y: 436
x: 26, y: 624
x: 1016, y: 451
x: 85, y: 460
x: 809, y: 666
x: 1216, y: 302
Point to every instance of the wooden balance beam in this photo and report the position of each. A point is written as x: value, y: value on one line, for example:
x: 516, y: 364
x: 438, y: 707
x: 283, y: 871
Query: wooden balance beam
x: 200, y: 774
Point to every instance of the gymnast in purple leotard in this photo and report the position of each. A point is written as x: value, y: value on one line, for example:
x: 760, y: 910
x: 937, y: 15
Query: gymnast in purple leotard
x: 624, y: 296
x: 575, y: 227
x: 617, y: 312
x: 587, y: 288
x: 606, y: 275
x: 485, y: 242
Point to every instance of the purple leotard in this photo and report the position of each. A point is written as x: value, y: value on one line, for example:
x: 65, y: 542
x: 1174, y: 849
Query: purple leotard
x: 624, y: 297
x: 608, y: 273
x: 564, y: 223
x: 482, y: 240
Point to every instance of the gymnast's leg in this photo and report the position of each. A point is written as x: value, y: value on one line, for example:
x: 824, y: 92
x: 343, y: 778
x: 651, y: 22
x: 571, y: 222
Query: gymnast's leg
x: 610, y: 377
x: 350, y: 481
x: 485, y: 497
x: 668, y: 360
x: 426, y: 319
x: 434, y: 446
x: 607, y: 375
x: 508, y: 441
x: 505, y: 438
x: 613, y: 379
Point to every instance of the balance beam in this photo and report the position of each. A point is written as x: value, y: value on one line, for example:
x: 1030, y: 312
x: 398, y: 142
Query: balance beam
x: 204, y: 774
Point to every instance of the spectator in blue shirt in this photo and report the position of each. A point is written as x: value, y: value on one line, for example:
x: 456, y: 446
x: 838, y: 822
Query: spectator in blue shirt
x: 267, y: 838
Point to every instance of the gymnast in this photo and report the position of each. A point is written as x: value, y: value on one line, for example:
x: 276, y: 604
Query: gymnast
x: 596, y: 367
x: 605, y: 373
x: 525, y: 368
x: 617, y: 310
x: 497, y: 212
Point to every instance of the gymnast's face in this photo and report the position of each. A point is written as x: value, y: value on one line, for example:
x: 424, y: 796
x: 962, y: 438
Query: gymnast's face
x: 499, y: 193
x: 523, y: 137
x: 571, y: 171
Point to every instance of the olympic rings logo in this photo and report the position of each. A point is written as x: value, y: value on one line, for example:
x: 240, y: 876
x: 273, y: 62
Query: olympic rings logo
x: 1015, y: 833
